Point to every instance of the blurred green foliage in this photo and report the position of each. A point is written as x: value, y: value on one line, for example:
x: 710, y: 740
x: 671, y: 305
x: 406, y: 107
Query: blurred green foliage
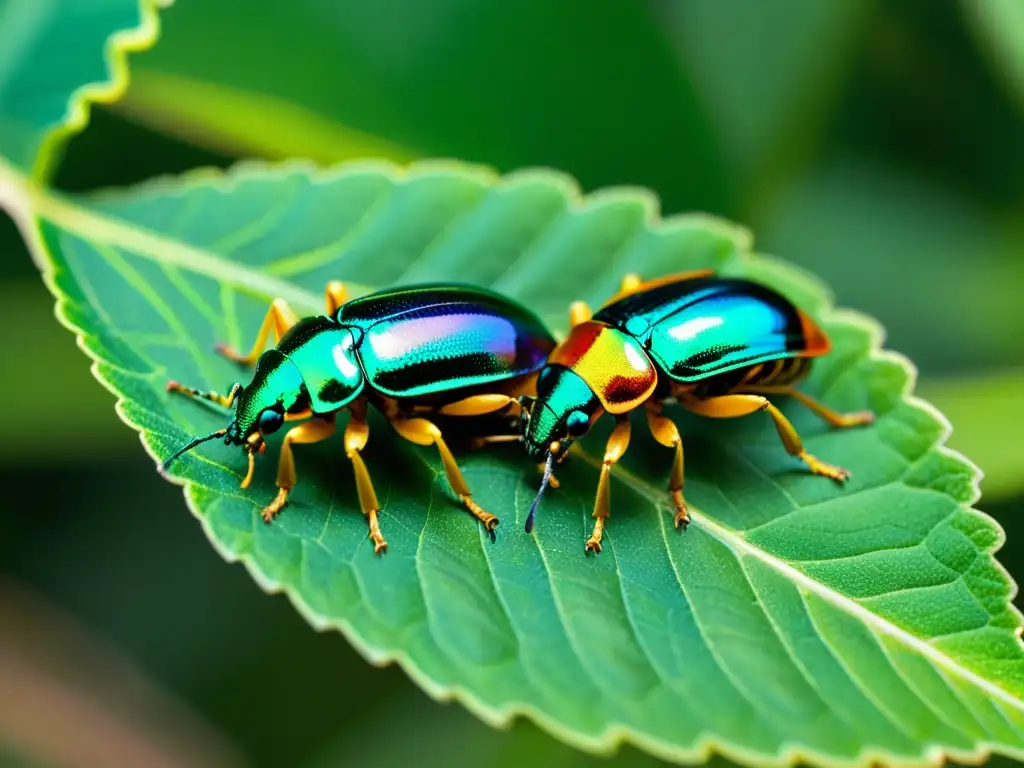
x: 880, y: 145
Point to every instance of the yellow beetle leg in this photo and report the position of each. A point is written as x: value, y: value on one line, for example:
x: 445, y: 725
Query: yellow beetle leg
x: 335, y: 295
x: 614, y: 449
x: 423, y: 432
x: 279, y: 318
x: 311, y: 432
x: 631, y: 283
x: 477, y: 405
x: 357, y: 432
x: 579, y: 312
x: 666, y: 433
x: 731, y: 406
x: 833, y: 418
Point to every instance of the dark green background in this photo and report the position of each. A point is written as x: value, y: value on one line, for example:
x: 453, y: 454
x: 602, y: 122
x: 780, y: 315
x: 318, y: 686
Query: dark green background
x: 876, y: 144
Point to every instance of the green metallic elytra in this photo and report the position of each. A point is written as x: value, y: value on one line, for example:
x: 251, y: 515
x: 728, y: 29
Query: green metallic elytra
x: 686, y: 332
x: 431, y: 339
x: 715, y: 325
x: 448, y: 349
x: 716, y: 345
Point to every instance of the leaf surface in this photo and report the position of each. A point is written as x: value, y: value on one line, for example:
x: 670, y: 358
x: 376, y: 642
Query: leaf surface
x: 793, y: 619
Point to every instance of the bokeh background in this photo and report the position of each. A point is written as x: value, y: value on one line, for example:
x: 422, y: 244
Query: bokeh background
x: 878, y: 144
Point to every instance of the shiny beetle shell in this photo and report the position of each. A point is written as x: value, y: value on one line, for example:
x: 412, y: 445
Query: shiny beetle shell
x: 710, y: 325
x: 431, y: 339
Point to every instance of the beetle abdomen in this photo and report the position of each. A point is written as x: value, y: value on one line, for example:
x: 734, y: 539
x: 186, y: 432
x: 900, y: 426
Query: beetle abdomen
x: 430, y: 339
x: 695, y: 329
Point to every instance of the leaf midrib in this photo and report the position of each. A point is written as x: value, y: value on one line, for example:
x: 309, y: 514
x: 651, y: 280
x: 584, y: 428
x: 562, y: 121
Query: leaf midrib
x: 24, y: 201
x: 740, y: 547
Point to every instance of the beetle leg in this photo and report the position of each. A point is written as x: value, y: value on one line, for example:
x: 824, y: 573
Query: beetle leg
x: 666, y: 433
x: 614, y: 449
x: 279, y: 318
x: 225, y: 401
x: 579, y: 312
x: 731, y: 406
x: 631, y: 283
x: 311, y: 432
x: 357, y: 432
x: 833, y: 418
x: 477, y: 405
x: 335, y: 295
x: 423, y: 432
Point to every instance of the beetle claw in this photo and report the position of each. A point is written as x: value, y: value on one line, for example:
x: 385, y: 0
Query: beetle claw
x: 275, y: 506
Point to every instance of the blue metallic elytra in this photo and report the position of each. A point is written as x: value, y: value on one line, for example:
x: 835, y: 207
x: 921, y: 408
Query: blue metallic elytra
x: 716, y: 345
x: 416, y: 354
x: 718, y: 324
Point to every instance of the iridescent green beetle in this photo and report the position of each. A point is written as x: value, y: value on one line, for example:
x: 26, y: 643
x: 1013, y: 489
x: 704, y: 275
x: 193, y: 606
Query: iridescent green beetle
x: 416, y: 353
x: 716, y: 345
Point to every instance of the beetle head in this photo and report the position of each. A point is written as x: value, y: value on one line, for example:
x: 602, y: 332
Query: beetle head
x: 276, y: 389
x: 563, y: 411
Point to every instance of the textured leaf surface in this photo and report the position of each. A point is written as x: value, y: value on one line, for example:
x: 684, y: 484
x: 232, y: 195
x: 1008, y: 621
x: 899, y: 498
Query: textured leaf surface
x: 54, y: 55
x: 794, y: 618
x: 989, y: 413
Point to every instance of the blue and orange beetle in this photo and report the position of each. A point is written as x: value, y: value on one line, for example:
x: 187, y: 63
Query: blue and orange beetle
x: 415, y: 353
x: 716, y: 345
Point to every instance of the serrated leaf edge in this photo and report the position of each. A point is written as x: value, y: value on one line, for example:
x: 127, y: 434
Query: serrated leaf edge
x: 116, y: 50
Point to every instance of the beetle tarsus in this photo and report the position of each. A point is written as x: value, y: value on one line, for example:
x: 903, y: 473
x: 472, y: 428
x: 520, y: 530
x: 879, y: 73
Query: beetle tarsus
x: 594, y: 542
x: 490, y: 521
x: 274, y: 507
x: 379, y: 545
x: 819, y: 467
x: 856, y: 419
x: 682, y: 518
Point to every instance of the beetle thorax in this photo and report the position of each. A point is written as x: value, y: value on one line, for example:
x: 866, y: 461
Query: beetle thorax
x: 612, y: 363
x: 325, y: 353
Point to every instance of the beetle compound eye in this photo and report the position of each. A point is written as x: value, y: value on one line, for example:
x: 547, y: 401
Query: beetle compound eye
x: 270, y: 421
x: 577, y: 423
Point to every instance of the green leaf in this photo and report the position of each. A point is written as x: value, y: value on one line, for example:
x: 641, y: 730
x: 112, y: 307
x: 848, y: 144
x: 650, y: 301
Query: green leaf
x: 988, y: 410
x: 231, y: 120
x: 999, y: 27
x: 793, y: 620
x: 55, y: 56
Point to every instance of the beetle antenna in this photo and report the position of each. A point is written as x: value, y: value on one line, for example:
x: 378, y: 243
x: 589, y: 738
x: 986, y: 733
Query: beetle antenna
x: 545, y: 481
x: 192, y: 444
